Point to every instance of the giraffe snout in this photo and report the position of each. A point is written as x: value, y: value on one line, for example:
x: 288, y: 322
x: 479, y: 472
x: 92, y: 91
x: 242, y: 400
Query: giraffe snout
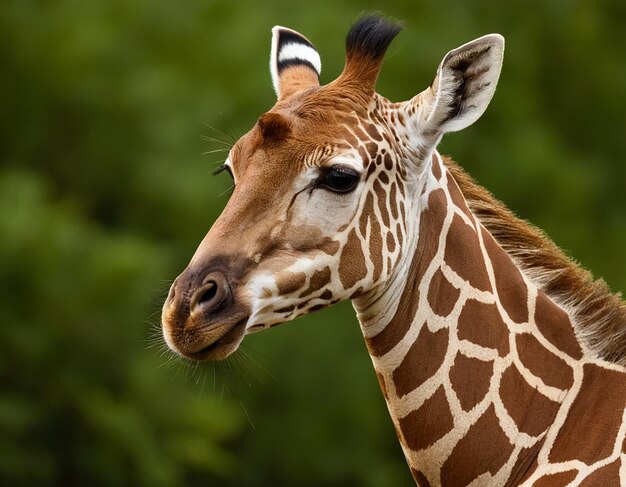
x: 202, y: 319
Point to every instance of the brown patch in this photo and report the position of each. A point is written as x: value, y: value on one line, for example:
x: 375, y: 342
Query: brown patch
x: 372, y: 150
x: 399, y: 233
x: 286, y: 309
x: 381, y: 195
x: 373, y: 132
x: 604, y: 476
x: 392, y: 201
x: 533, y: 250
x: 470, y: 380
x: 548, y: 367
x: 360, y: 134
x: 458, y: 199
x: 555, y: 325
x: 367, y: 214
x: 401, y: 190
x: 485, y: 448
x: 430, y: 228
x: 391, y: 242
x: 363, y: 154
x: 525, y: 464
x: 442, y: 296
x: 304, y: 238
x: 376, y: 247
x: 532, y: 412
x: 464, y: 256
x: 318, y: 280
x: 288, y: 282
x: 352, y: 262
x: 555, y: 479
x: 427, y: 424
x: 388, y: 161
x: 512, y: 290
x: 326, y: 294
x: 593, y: 421
x: 330, y: 246
x: 482, y: 324
x: 375, y: 238
x: 422, y: 360
x: 420, y: 478
x: 371, y: 169
x: 383, y: 175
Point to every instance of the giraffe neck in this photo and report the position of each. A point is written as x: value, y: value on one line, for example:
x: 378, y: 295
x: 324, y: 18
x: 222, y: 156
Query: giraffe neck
x: 467, y: 350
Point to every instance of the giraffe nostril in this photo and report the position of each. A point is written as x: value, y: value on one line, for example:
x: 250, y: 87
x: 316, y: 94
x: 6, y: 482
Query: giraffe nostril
x: 207, y: 293
x: 211, y: 296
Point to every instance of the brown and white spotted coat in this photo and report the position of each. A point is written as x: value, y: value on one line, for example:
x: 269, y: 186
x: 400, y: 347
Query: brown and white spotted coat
x: 500, y: 360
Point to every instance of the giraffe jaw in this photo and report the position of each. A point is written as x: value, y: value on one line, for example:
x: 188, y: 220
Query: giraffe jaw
x: 221, y: 348
x: 206, y: 342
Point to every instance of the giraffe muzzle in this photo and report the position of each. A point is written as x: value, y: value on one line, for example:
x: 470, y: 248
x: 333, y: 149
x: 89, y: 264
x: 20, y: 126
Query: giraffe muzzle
x: 201, y: 319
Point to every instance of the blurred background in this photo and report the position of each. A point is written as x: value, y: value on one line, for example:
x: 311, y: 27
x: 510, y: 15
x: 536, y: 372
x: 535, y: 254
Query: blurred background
x: 106, y: 109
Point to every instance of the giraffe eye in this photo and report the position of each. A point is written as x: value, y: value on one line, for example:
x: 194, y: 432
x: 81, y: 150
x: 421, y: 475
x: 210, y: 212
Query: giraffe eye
x: 340, y: 179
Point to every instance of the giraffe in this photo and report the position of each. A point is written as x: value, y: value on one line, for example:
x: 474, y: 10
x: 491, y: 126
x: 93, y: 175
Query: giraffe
x: 502, y: 362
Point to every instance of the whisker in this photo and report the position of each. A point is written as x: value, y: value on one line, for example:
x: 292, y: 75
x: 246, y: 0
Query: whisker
x: 224, y: 192
x: 217, y: 141
x: 233, y: 133
x: 154, y: 313
x: 247, y: 415
x: 171, y: 360
x: 245, y: 351
x: 230, y: 138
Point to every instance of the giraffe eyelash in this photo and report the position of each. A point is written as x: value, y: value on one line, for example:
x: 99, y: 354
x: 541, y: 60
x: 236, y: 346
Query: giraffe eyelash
x: 223, y: 168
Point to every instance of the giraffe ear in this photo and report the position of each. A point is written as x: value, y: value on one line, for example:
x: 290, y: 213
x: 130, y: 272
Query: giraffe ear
x: 294, y: 62
x: 465, y: 83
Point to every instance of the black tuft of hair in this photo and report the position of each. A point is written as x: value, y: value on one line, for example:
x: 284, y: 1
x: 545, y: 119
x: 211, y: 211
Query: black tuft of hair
x: 371, y: 35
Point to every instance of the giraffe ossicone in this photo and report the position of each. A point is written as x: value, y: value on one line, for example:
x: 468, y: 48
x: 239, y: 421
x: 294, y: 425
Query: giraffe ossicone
x: 495, y: 353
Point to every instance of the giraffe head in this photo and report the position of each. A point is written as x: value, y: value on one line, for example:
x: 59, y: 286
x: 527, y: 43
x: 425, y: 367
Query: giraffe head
x: 327, y: 185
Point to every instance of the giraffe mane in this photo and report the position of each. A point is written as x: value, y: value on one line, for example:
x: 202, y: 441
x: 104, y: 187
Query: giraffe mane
x: 598, y: 314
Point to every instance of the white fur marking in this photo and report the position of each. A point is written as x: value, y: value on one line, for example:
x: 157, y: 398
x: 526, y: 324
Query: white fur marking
x: 301, y: 51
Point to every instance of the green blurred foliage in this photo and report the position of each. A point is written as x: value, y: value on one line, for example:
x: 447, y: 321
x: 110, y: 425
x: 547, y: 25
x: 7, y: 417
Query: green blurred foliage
x: 105, y: 193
